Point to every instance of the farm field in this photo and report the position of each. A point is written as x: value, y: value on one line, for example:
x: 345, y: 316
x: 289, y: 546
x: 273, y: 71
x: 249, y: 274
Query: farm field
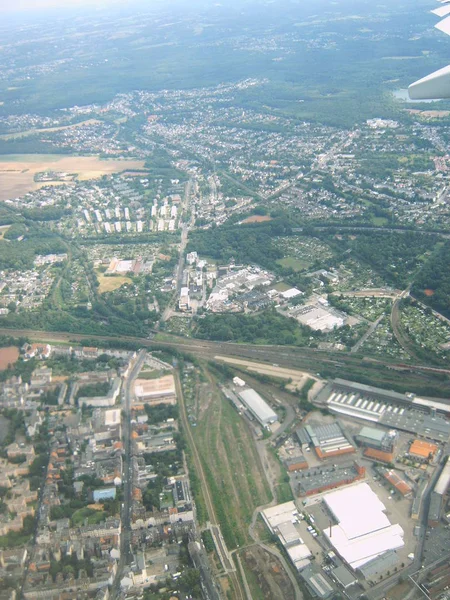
x: 17, y: 171
x: 111, y: 282
x: 232, y: 467
x: 8, y: 356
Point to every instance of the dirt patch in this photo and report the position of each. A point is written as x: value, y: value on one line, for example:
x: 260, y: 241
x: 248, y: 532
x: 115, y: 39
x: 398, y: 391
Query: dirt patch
x: 299, y: 378
x: 8, y: 356
x: 268, y: 574
x: 257, y: 219
x: 111, y: 283
x: 17, y: 171
x: 428, y: 292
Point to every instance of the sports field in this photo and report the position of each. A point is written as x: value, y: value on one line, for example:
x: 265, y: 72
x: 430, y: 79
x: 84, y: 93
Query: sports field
x: 111, y: 283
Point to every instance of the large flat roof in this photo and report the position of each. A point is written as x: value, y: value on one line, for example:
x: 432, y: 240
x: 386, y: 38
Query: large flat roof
x: 258, y: 406
x: 444, y: 480
x: 363, y: 531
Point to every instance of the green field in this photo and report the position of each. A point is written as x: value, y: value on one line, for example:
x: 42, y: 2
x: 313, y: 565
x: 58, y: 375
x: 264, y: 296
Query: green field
x: 293, y: 263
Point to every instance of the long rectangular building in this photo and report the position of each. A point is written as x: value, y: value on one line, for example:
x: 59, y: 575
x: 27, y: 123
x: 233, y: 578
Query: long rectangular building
x: 258, y: 407
x: 423, y: 417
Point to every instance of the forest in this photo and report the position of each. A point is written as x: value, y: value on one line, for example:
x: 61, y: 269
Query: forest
x: 432, y: 284
x: 266, y: 327
x: 394, y: 255
x: 244, y: 243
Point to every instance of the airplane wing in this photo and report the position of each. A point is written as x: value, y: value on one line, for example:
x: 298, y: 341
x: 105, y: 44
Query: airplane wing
x: 437, y: 85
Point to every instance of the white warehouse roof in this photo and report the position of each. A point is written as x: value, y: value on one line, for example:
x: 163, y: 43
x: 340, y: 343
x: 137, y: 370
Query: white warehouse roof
x: 258, y: 407
x: 363, y: 532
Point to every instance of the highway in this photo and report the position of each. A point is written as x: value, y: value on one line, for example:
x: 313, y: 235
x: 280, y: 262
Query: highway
x: 127, y: 397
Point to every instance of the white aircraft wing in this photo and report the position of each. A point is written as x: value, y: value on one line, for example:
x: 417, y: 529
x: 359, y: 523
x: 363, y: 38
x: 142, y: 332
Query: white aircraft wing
x: 437, y: 85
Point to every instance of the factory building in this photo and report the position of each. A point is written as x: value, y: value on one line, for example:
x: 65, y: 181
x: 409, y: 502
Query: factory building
x: 320, y: 479
x: 258, y: 407
x: 317, y: 583
x: 427, y: 418
x: 282, y: 521
x: 422, y: 451
x: 363, y: 532
x: 379, y: 439
x: 328, y: 440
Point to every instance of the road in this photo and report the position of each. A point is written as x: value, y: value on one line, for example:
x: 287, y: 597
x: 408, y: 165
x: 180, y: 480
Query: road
x: 183, y: 243
x: 125, y: 550
x: 368, y: 333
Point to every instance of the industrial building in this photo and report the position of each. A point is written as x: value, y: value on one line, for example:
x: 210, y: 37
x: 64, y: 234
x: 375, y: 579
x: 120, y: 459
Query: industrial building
x: 427, y: 418
x: 438, y: 495
x: 317, y: 583
x: 379, y: 439
x: 343, y: 577
x: 327, y: 440
x: 281, y: 521
x: 397, y: 482
x: 379, y: 455
x: 258, y: 407
x: 422, y: 450
x: 156, y: 391
x: 362, y: 531
x: 320, y: 479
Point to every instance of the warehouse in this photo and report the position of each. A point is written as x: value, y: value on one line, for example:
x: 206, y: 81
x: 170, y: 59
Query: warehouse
x: 258, y: 407
x: 317, y: 583
x: 437, y: 496
x: 363, y: 532
x: 282, y: 521
x: 379, y: 439
x: 156, y: 391
x: 393, y: 410
x: 328, y: 440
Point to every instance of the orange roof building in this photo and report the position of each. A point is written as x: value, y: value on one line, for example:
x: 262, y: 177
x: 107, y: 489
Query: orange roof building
x: 399, y: 484
x: 422, y: 449
x: 386, y: 457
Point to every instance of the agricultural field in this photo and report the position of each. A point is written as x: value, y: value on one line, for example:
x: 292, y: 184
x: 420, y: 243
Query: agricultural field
x: 425, y: 329
x: 231, y: 464
x: 17, y: 171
